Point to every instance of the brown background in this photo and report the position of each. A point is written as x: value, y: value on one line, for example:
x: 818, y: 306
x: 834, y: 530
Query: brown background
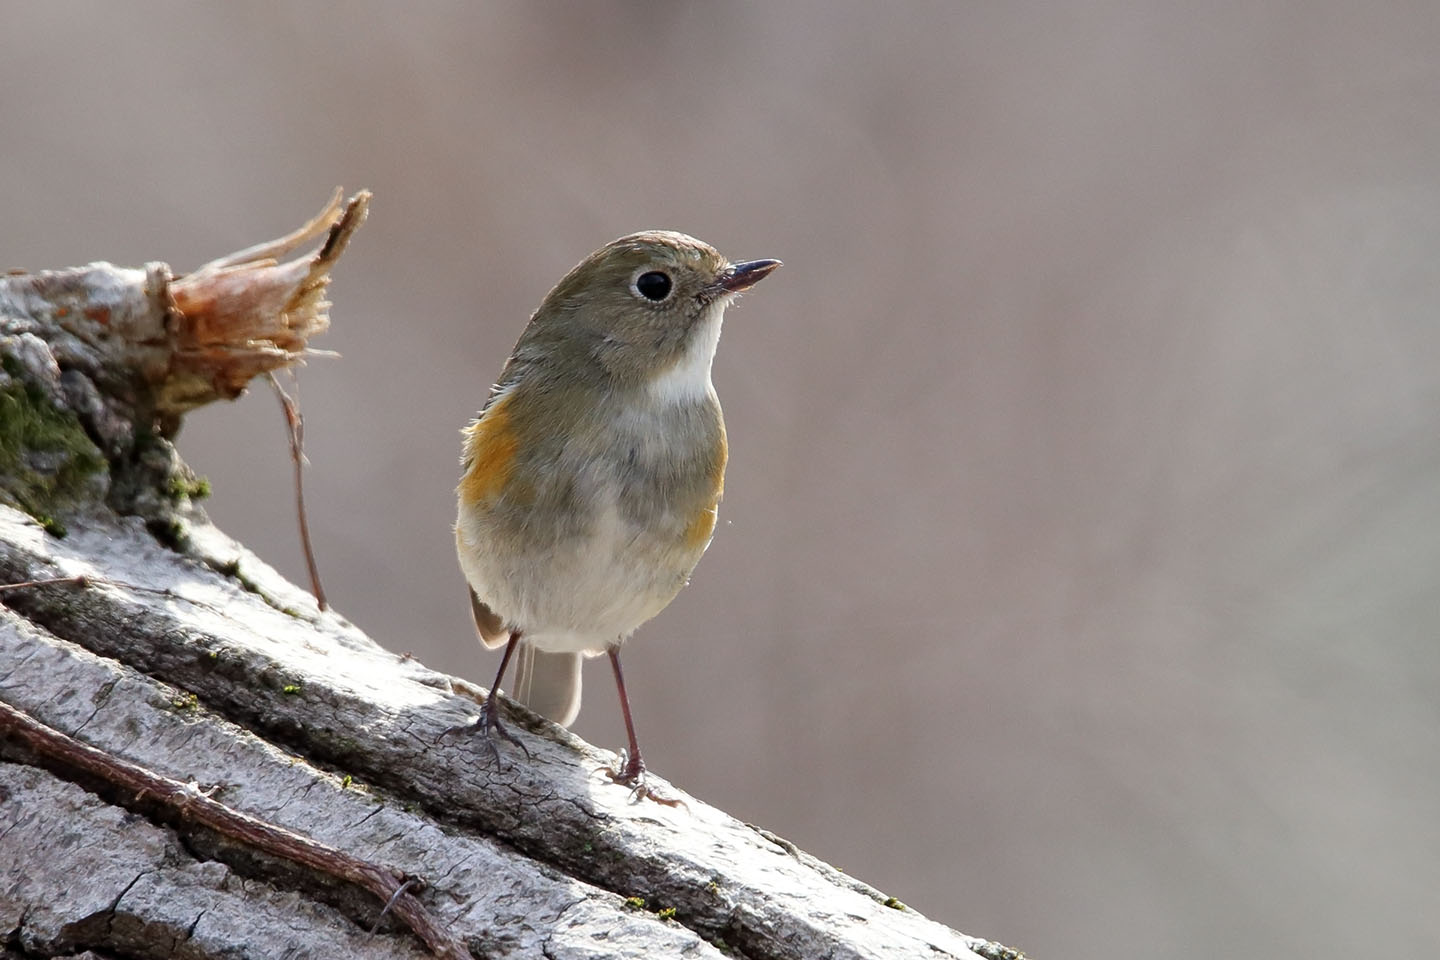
x: 1076, y: 579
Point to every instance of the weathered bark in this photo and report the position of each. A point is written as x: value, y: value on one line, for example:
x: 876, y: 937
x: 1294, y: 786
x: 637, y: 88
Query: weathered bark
x: 148, y: 634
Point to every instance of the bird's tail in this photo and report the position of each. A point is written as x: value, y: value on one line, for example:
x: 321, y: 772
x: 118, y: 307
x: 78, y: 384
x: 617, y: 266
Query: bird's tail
x: 548, y: 683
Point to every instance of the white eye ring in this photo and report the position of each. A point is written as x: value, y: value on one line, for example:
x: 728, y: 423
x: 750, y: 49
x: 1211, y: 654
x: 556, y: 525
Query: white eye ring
x: 657, y: 285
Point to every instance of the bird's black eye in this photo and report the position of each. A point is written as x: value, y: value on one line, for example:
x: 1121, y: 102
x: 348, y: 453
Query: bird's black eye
x: 654, y: 286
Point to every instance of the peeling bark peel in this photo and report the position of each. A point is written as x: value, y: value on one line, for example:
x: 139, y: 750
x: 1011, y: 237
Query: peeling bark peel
x: 197, y: 338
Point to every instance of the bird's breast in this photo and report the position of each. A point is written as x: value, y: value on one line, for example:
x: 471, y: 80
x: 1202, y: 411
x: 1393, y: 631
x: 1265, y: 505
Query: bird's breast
x: 581, y: 541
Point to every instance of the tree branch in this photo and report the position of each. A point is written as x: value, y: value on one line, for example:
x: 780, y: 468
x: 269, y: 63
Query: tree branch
x: 189, y: 805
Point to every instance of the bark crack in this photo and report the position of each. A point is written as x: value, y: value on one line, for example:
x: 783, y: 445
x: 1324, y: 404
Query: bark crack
x: 100, y: 700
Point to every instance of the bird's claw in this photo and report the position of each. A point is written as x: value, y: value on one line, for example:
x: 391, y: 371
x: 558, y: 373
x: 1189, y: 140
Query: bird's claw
x: 630, y: 771
x: 488, y: 725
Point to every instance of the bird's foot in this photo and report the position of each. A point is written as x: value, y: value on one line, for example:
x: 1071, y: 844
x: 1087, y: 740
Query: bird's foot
x: 488, y: 725
x: 629, y: 771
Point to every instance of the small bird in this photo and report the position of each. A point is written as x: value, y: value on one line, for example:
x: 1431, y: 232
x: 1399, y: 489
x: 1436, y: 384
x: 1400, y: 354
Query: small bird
x: 592, y: 476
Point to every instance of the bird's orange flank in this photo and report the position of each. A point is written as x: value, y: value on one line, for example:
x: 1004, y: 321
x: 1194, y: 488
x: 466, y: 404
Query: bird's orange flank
x: 490, y: 445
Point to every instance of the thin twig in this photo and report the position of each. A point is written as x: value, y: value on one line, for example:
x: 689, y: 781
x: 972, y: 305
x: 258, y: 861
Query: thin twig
x: 296, y: 422
x: 77, y: 581
x: 185, y: 803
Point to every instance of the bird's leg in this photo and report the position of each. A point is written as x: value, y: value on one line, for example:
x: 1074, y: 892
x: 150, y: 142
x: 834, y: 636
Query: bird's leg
x: 631, y: 771
x: 488, y: 722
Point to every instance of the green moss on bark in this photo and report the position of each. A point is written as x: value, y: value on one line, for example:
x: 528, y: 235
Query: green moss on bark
x: 47, y: 460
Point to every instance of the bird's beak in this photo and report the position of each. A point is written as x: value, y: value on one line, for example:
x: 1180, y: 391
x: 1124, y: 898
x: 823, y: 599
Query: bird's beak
x: 743, y: 276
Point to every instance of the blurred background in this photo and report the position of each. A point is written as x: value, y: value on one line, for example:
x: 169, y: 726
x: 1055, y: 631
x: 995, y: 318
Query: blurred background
x: 1076, y: 577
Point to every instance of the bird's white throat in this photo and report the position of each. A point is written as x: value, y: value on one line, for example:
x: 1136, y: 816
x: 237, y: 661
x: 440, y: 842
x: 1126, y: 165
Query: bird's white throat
x: 688, y: 379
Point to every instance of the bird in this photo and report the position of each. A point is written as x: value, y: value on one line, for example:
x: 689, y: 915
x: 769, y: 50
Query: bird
x: 592, y: 476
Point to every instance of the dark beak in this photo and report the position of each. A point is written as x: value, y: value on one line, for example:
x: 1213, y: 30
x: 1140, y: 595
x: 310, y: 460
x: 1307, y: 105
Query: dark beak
x: 743, y: 276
